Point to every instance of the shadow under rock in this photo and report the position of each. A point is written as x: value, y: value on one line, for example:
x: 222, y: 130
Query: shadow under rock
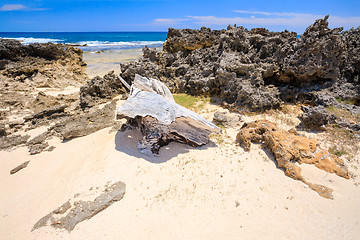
x: 126, y: 142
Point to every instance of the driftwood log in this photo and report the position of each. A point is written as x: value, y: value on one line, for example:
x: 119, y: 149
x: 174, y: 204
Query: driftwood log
x: 151, y: 109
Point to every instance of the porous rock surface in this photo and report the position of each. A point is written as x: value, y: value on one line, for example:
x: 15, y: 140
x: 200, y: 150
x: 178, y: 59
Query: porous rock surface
x: 27, y: 72
x: 256, y: 69
x: 289, y: 148
x: 43, y: 65
x: 74, y: 211
x: 101, y: 89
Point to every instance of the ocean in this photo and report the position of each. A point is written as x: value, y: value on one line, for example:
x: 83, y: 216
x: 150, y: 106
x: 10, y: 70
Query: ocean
x: 92, y: 41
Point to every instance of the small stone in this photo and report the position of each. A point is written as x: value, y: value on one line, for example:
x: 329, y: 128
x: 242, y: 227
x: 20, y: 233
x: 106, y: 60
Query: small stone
x: 18, y: 168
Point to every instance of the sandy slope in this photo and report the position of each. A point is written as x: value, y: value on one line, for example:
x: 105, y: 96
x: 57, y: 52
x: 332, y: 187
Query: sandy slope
x: 214, y: 192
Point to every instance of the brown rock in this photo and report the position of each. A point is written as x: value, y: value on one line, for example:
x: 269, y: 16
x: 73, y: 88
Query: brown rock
x: 289, y: 148
x: 18, y: 168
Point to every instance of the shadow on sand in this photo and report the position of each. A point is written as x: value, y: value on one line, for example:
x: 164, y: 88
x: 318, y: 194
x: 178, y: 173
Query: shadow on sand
x: 126, y: 142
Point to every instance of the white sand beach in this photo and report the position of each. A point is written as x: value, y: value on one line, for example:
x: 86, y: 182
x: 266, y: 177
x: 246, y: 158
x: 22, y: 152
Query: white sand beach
x: 100, y: 63
x: 217, y: 191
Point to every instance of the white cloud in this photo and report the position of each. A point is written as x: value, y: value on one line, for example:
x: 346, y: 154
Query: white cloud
x: 276, y: 19
x: 252, y: 20
x: 12, y: 7
x: 272, y: 20
x: 169, y: 21
x: 19, y: 7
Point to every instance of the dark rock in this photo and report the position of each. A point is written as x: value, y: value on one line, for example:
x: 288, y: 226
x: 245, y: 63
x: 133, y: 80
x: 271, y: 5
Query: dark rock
x: 316, y: 117
x: 13, y: 140
x: 50, y: 149
x: 101, y: 90
x: 86, y: 122
x: 38, y: 143
x: 18, y: 168
x: 257, y: 69
x: 3, y: 130
x: 47, y: 63
x: 49, y: 112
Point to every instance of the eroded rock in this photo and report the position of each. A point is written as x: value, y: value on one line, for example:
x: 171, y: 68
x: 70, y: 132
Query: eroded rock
x: 101, y: 89
x: 68, y: 215
x: 256, y: 69
x: 86, y: 122
x: 290, y: 148
x: 14, y: 140
x: 18, y: 168
x: 316, y: 117
x: 226, y: 118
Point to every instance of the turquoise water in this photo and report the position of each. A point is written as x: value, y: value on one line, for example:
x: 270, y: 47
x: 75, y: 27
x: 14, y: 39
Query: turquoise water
x: 93, y: 41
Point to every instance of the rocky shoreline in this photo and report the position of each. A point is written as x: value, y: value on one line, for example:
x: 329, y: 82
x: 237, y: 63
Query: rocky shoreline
x: 247, y: 70
x: 255, y: 70
x: 281, y: 102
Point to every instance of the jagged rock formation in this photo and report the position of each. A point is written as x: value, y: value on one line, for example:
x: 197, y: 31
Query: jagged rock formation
x: 43, y: 65
x: 99, y: 90
x: 74, y: 211
x: 257, y: 69
x: 318, y: 117
x: 152, y: 109
x: 290, y: 148
x: 25, y: 68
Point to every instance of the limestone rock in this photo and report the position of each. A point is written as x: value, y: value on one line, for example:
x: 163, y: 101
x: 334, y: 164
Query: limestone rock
x: 226, y: 118
x: 100, y: 89
x: 68, y: 215
x: 18, y: 168
x: 289, y: 148
x: 254, y: 70
x: 8, y: 142
x: 316, y: 117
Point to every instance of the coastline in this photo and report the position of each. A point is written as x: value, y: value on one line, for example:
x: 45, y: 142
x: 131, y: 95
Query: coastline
x: 100, y: 63
x: 61, y: 144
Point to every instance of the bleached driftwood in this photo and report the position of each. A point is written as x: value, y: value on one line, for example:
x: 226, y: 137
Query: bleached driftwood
x: 152, y: 109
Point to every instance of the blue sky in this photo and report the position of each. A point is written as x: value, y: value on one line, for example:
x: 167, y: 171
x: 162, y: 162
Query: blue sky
x: 158, y: 15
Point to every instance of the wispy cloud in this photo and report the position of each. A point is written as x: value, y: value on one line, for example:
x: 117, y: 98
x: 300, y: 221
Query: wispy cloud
x: 169, y: 21
x: 19, y: 7
x: 260, y: 18
x: 277, y: 20
x: 12, y: 7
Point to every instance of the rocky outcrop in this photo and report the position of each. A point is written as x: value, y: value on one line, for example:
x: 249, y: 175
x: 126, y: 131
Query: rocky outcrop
x: 319, y: 117
x: 256, y: 69
x: 289, y: 148
x: 25, y: 68
x: 316, y: 117
x: 43, y: 65
x: 84, y: 123
x: 101, y: 89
